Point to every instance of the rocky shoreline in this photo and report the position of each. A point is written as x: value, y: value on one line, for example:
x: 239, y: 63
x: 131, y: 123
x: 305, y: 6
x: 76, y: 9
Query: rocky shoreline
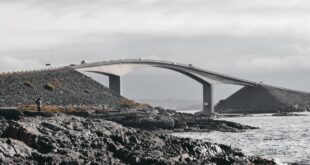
x: 86, y: 123
x: 29, y: 137
x: 156, y: 119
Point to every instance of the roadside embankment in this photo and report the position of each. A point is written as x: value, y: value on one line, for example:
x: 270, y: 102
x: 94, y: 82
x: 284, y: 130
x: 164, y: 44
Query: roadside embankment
x: 265, y: 99
x: 62, y: 87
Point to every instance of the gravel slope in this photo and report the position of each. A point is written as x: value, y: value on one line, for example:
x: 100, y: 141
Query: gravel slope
x: 265, y: 99
x: 57, y: 87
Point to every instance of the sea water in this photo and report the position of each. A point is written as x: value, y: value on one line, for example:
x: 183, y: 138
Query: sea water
x: 285, y: 139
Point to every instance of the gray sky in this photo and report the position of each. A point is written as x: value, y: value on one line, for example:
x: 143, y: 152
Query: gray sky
x: 254, y: 39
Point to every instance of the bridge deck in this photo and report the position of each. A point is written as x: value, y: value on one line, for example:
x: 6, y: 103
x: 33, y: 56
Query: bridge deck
x: 189, y: 68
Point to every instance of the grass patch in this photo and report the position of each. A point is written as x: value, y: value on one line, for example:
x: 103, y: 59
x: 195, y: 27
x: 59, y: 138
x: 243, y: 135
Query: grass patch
x: 61, y: 109
x: 28, y: 84
x: 53, y: 85
x: 48, y: 108
x: 49, y: 86
x: 132, y: 104
x: 56, y: 83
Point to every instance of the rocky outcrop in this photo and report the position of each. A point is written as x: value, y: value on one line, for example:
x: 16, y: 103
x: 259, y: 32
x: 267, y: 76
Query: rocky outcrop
x: 57, y: 87
x: 265, y: 99
x: 162, y: 119
x: 69, y: 139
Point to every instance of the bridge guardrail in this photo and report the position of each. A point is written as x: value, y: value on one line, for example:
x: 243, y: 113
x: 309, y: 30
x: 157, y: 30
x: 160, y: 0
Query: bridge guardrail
x: 141, y: 60
x: 119, y: 61
x: 30, y: 71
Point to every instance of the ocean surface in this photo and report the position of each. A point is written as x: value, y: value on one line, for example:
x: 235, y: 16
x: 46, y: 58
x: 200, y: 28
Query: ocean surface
x: 286, y: 139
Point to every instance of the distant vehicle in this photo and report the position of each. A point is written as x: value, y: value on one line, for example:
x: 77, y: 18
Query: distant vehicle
x: 72, y: 65
x: 83, y: 62
x: 48, y: 64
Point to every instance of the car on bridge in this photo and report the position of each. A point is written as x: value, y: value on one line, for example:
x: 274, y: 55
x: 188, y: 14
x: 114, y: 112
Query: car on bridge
x: 84, y: 62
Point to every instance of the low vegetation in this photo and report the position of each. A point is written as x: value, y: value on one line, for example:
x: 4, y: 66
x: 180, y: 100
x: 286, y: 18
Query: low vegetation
x: 126, y: 103
x: 56, y: 83
x: 49, y: 86
x: 28, y: 84
x: 62, y: 109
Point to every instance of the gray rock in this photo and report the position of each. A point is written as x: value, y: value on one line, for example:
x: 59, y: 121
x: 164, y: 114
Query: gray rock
x: 11, y: 114
x: 67, y: 139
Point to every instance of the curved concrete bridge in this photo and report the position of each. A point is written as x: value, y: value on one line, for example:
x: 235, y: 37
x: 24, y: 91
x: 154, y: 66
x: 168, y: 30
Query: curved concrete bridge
x: 117, y: 68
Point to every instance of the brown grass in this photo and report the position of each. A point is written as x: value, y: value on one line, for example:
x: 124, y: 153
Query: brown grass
x: 61, y: 109
x: 49, y: 86
x: 132, y: 104
x: 48, y: 108
x: 28, y: 84
x: 56, y: 83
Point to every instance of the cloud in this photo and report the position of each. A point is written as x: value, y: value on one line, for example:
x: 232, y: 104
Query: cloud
x: 68, y: 18
x: 8, y: 63
x: 220, y: 35
x: 292, y: 63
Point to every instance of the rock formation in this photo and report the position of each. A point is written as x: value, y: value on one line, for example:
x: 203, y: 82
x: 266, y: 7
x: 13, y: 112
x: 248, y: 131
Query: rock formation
x: 57, y: 138
x: 265, y: 99
x: 155, y: 119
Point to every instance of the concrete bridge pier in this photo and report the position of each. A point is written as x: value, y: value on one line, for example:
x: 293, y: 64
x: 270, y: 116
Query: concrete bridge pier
x: 208, y: 107
x: 115, y: 83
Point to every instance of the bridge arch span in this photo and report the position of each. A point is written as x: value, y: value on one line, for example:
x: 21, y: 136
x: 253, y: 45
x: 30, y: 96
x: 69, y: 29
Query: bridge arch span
x: 207, y: 92
x: 118, y: 68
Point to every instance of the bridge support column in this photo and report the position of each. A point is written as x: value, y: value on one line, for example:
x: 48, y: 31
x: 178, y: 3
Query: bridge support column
x: 115, y: 83
x: 208, y: 108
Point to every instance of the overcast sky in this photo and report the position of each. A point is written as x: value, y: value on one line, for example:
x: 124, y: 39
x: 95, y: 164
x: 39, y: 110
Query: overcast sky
x: 254, y: 39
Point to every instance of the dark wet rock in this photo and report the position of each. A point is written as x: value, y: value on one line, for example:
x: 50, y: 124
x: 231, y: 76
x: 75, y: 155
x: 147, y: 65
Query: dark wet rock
x: 33, y: 114
x: 11, y: 114
x: 288, y: 114
x: 161, y: 119
x: 69, y: 139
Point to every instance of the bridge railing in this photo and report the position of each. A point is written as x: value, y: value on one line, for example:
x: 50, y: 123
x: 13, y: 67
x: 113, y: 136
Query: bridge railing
x: 140, y: 60
x: 19, y: 72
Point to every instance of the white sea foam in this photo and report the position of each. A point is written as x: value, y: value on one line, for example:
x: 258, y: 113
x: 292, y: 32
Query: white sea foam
x: 285, y: 139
